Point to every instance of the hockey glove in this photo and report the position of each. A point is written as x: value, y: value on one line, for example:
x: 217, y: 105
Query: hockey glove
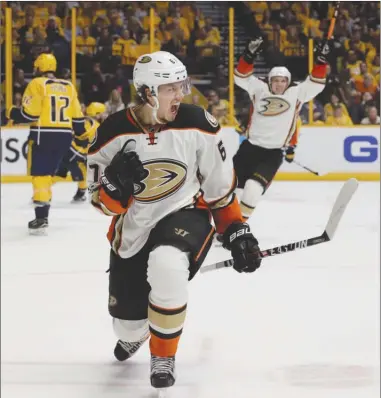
x: 289, y: 154
x: 252, y: 48
x: 120, y: 175
x: 321, y: 52
x: 243, y: 246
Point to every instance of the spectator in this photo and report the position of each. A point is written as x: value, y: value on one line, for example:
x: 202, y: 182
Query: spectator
x: 366, y: 83
x: 304, y: 113
x: 67, y: 30
x: 19, y: 83
x: 120, y: 83
x: 334, y: 102
x: 26, y: 31
x: 339, y: 118
x: 115, y: 103
x: 353, y: 64
x: 93, y: 85
x: 115, y: 27
x: 372, y: 117
x: 17, y: 100
x: 86, y: 43
x: 215, y: 101
x: 98, y: 26
x: 355, y: 43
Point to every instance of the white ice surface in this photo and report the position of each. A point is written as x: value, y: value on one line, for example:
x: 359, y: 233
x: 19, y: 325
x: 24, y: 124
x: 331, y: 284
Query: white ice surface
x: 305, y: 325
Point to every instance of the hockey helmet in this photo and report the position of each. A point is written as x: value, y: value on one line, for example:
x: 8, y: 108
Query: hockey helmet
x: 95, y: 109
x: 46, y: 63
x: 161, y: 67
x: 281, y: 71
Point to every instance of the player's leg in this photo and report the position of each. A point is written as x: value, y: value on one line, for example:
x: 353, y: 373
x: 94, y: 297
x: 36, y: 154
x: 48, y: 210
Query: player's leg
x: 128, y: 302
x: 269, y: 162
x: 41, y: 182
x: 44, y: 156
x: 181, y: 242
x: 245, y: 162
x: 78, y: 171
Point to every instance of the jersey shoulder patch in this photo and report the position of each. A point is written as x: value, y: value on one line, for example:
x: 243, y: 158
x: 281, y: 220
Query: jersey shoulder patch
x: 119, y: 123
x: 192, y: 116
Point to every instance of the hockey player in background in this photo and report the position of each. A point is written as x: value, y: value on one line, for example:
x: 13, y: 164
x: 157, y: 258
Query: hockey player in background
x: 75, y: 159
x: 149, y: 167
x: 276, y: 104
x: 51, y: 107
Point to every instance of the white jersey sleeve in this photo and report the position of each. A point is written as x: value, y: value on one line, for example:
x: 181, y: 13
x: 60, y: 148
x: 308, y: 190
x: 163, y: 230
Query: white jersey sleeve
x: 310, y: 88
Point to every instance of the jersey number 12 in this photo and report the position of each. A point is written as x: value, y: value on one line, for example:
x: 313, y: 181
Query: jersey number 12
x: 58, y: 107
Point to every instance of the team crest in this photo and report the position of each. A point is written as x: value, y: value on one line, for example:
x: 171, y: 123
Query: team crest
x: 211, y: 119
x: 145, y: 60
x: 164, y: 178
x: 273, y: 106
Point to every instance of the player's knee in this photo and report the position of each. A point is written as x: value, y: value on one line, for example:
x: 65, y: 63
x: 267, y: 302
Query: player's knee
x: 168, y: 273
x: 252, y: 192
x: 130, y: 331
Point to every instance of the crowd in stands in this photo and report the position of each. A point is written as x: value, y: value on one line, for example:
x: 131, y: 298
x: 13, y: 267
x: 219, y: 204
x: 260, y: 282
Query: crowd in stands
x: 111, y: 35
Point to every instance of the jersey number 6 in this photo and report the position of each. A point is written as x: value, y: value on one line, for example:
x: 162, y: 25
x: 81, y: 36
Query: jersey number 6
x: 222, y: 150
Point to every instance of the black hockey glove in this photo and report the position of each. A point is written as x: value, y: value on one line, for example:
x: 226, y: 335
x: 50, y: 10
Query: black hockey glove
x: 289, y: 154
x: 120, y: 175
x: 321, y: 52
x: 243, y: 246
x: 252, y: 48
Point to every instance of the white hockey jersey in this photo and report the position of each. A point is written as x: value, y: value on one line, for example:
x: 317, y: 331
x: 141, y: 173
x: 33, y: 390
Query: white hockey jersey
x: 183, y: 158
x: 274, y: 116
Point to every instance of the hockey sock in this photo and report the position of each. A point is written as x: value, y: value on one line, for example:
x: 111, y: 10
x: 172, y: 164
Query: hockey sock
x: 251, y: 195
x: 166, y: 326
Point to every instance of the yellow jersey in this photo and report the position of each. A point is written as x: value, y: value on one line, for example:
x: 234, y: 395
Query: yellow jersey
x: 51, y: 104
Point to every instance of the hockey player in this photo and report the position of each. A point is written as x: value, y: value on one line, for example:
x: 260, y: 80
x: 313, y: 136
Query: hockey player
x: 276, y: 105
x: 51, y: 106
x: 149, y: 166
x: 75, y: 160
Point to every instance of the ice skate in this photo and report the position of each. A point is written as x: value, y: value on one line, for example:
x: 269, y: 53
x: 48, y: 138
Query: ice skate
x: 38, y: 226
x: 80, y: 196
x: 162, y: 372
x: 124, y: 350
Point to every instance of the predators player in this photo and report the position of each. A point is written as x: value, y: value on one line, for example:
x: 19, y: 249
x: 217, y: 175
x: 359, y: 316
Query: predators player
x: 75, y: 160
x: 51, y: 107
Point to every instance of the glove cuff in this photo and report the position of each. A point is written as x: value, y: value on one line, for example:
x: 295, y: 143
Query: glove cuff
x: 235, y: 231
x: 248, y: 57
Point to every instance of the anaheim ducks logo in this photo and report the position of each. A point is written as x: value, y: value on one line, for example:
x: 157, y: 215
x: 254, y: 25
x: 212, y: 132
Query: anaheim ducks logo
x: 164, y: 178
x: 273, y: 106
x: 145, y: 59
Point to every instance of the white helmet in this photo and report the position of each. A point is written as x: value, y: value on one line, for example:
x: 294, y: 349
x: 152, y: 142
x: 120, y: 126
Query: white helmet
x: 161, y: 67
x: 280, y: 71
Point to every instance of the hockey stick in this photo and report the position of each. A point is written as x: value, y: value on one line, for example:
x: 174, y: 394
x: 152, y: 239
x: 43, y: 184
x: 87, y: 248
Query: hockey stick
x: 342, y: 200
x: 306, y: 168
x: 333, y: 21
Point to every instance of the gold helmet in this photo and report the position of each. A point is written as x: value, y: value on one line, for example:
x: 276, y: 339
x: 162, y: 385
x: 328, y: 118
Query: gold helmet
x: 46, y: 63
x: 95, y: 109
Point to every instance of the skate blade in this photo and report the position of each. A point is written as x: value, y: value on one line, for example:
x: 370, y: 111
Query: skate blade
x: 162, y: 392
x: 78, y: 202
x: 38, y: 232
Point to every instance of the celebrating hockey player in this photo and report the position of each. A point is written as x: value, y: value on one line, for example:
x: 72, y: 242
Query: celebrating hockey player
x: 51, y: 106
x: 276, y: 105
x: 75, y: 160
x: 148, y: 167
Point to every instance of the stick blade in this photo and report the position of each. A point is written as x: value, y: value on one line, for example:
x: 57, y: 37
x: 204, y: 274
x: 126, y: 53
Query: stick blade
x: 342, y: 200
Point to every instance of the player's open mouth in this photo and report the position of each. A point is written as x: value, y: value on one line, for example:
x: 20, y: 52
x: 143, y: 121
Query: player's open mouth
x: 174, y: 109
